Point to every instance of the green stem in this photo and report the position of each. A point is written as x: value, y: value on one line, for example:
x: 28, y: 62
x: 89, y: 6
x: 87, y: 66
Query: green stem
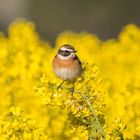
x: 94, y: 114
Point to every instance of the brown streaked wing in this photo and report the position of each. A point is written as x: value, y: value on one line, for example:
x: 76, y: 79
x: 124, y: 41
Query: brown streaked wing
x: 76, y: 58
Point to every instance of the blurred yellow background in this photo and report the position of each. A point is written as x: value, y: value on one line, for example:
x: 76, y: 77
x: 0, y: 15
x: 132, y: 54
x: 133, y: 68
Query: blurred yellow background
x: 106, y: 102
x: 105, y: 18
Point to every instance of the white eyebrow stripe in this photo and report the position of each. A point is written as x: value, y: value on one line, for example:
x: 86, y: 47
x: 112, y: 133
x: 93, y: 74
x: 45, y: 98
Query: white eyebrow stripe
x: 65, y: 49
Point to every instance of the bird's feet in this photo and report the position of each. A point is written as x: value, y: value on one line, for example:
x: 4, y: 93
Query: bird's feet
x: 72, y: 90
x: 60, y: 86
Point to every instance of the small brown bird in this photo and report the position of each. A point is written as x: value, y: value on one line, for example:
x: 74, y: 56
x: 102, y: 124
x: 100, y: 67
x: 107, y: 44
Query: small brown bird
x: 67, y: 65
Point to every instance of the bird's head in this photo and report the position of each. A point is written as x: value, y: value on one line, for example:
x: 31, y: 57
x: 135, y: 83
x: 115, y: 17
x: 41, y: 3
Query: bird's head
x: 66, y: 51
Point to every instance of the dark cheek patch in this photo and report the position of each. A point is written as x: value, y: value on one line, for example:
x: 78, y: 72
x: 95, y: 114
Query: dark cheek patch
x: 64, y: 53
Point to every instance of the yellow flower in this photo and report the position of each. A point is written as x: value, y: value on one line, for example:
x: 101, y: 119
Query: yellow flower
x: 105, y: 103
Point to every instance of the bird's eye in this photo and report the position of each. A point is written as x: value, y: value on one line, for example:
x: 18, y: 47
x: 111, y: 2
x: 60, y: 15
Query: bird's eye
x: 64, y: 53
x: 67, y: 53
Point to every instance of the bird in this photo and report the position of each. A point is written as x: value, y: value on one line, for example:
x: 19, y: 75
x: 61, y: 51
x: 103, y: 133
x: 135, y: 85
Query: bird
x: 67, y: 65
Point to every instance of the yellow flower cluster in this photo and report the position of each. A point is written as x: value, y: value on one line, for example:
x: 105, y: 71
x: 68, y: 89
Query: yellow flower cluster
x: 105, y: 104
x: 15, y: 125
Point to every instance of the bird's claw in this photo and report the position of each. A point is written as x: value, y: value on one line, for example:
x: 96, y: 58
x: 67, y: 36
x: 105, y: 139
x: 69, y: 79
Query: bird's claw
x: 59, y: 87
x: 72, y: 90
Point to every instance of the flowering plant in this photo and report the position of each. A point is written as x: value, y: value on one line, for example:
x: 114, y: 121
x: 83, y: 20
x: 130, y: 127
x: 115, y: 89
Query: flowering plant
x: 105, y: 104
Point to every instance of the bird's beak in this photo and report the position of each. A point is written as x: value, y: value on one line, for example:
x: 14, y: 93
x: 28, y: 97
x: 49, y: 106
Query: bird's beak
x: 74, y: 51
